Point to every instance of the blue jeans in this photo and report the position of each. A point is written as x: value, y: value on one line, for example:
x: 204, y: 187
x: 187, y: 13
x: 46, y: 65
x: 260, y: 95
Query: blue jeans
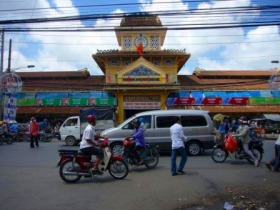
x: 275, y: 162
x: 183, y: 161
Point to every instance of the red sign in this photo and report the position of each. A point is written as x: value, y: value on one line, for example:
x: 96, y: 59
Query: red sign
x: 212, y: 101
x: 238, y: 101
x: 184, y: 101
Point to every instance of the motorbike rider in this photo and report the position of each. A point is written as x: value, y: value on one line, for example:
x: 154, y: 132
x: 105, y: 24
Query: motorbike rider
x: 139, y: 139
x: 5, y: 128
x: 90, y: 145
x: 243, y: 132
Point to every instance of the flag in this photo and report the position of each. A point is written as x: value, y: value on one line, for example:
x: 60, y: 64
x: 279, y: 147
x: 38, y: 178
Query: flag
x: 140, y: 48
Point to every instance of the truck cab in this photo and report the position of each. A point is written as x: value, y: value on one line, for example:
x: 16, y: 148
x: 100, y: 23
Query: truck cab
x: 70, y: 130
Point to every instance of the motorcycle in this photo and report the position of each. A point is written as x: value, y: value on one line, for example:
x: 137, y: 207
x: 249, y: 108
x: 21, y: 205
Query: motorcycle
x: 149, y: 155
x: 220, y: 153
x: 45, y: 137
x: 73, y: 164
x: 6, y: 137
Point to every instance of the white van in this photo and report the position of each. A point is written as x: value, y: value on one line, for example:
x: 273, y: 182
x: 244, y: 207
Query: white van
x: 198, y: 127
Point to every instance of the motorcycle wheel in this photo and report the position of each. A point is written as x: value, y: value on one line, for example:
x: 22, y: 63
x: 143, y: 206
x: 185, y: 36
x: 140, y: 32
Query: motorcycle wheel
x: 219, y: 155
x: 257, y: 154
x: 47, y: 139
x: 9, y: 140
x: 68, y: 166
x: 1, y: 139
x: 118, y: 169
x: 153, y: 163
x: 117, y: 148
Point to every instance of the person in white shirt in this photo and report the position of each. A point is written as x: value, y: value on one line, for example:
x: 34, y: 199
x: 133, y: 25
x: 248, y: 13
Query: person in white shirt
x: 178, y: 147
x: 274, y: 163
x: 90, y: 145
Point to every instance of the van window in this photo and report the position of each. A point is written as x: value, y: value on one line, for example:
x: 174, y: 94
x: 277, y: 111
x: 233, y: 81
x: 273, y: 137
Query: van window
x: 145, y: 122
x: 165, y: 121
x: 192, y: 121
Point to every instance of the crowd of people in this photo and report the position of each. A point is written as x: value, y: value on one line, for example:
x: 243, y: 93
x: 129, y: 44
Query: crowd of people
x: 17, y: 131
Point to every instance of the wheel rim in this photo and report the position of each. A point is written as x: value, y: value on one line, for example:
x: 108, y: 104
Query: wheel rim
x: 70, y: 141
x: 118, y: 169
x: 194, y: 149
x: 154, y: 162
x: 70, y: 167
x: 219, y: 155
x: 117, y: 149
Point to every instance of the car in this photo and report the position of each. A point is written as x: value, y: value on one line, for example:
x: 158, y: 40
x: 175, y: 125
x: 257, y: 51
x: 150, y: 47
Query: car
x: 197, y: 125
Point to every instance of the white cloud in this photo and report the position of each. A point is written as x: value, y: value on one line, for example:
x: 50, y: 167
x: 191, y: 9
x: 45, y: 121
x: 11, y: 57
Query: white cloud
x: 208, y: 48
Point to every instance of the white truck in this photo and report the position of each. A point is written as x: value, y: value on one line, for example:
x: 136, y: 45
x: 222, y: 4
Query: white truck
x: 71, y: 130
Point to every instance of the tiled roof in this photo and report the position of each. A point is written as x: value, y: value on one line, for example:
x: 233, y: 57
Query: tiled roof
x: 52, y: 81
x: 233, y: 109
x: 205, y: 73
x: 64, y: 84
x: 54, y: 74
x: 141, y: 19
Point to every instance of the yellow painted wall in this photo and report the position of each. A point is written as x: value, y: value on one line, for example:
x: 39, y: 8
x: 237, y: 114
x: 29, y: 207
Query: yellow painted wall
x: 120, y: 97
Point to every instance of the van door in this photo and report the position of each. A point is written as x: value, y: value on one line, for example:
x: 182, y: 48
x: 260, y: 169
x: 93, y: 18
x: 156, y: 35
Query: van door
x: 162, y: 131
x: 70, y: 127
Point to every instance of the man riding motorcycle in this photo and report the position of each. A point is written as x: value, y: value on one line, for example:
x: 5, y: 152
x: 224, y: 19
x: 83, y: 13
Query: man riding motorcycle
x: 139, y: 140
x: 243, y: 132
x: 89, y: 144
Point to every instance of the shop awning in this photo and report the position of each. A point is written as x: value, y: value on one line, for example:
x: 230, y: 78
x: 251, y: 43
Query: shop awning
x: 273, y: 117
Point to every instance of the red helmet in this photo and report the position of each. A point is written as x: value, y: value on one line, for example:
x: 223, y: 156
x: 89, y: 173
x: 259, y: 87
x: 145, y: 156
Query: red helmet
x: 90, y: 118
x: 127, y: 143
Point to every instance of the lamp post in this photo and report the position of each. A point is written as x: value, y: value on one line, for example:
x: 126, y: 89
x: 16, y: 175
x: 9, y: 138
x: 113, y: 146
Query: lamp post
x: 22, y: 67
x: 11, y: 83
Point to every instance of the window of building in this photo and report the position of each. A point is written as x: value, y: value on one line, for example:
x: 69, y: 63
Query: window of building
x: 156, y: 61
x: 113, y: 61
x: 127, y: 40
x: 154, y: 43
x: 169, y: 61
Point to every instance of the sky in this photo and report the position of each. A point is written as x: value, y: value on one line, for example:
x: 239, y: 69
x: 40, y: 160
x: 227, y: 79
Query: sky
x: 211, y: 48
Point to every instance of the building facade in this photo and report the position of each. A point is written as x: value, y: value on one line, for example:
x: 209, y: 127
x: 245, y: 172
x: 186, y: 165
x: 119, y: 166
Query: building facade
x: 142, y: 76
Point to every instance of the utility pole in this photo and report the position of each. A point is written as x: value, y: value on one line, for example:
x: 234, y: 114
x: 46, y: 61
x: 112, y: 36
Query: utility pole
x: 2, y: 34
x: 9, y: 59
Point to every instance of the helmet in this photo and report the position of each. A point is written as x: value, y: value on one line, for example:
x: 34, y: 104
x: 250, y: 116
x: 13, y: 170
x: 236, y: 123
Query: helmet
x: 243, y: 120
x: 137, y: 121
x: 127, y: 143
x: 90, y: 118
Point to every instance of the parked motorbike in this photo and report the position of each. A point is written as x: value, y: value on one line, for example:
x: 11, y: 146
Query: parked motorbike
x: 220, y: 153
x: 149, y: 155
x: 6, y: 138
x: 45, y: 137
x: 73, y: 164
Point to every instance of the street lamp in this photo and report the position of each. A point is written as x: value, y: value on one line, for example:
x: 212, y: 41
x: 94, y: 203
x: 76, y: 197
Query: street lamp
x: 275, y: 61
x: 22, y: 67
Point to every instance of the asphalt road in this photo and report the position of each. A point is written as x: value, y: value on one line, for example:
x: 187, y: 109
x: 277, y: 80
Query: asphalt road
x: 29, y: 180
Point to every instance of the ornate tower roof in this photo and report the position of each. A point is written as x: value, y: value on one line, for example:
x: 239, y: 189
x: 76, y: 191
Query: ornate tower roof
x: 140, y: 19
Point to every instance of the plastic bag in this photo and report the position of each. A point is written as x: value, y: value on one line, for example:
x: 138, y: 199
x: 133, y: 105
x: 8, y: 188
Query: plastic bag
x: 231, y: 144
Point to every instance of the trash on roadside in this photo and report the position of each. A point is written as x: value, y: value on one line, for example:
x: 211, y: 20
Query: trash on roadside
x: 228, y: 206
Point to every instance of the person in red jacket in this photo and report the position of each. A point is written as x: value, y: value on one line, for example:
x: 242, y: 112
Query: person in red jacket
x: 34, y: 132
